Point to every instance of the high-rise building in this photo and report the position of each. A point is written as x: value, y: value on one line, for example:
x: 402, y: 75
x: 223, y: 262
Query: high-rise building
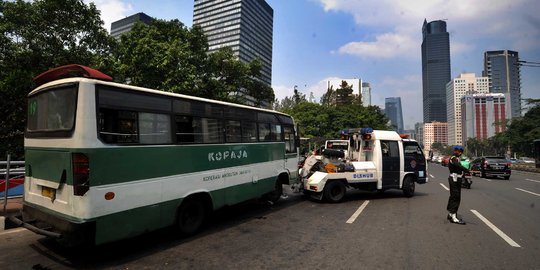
x: 465, y: 83
x: 483, y: 115
x: 392, y: 109
x: 366, y: 94
x: 502, y: 69
x: 246, y: 26
x: 124, y: 25
x: 419, y: 130
x: 435, y: 70
x: 435, y: 132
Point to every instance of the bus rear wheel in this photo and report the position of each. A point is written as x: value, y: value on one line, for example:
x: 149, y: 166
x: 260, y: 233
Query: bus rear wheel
x: 191, y: 216
x: 274, y: 195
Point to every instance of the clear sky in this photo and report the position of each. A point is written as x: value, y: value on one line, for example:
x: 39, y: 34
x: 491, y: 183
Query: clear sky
x: 375, y: 40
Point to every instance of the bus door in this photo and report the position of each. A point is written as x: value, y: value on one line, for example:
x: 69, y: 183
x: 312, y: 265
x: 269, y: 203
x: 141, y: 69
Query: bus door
x: 291, y: 153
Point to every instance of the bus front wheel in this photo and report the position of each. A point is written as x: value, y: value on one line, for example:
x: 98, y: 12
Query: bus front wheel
x: 191, y: 216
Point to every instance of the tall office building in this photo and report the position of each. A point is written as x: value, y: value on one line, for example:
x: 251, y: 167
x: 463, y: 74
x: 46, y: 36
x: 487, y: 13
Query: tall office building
x: 392, y: 109
x: 465, y: 83
x: 483, y: 115
x: 366, y: 94
x: 435, y: 70
x: 246, y: 26
x: 502, y: 69
x: 435, y: 132
x: 124, y: 25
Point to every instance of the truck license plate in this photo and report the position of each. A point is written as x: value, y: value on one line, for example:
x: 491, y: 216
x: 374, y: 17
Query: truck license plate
x: 48, y: 192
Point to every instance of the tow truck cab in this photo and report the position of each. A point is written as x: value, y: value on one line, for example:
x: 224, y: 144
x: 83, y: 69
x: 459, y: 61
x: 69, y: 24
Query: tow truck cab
x: 378, y: 160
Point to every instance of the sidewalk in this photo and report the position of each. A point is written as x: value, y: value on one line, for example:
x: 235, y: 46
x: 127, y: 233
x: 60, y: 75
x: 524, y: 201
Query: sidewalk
x: 14, y: 207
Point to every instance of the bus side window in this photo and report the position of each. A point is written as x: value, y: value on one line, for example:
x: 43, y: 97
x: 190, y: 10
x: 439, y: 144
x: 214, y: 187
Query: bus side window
x: 154, y: 128
x: 275, y: 133
x: 118, y: 126
x: 264, y: 132
x: 288, y: 133
x: 184, y: 129
x: 249, y: 132
x: 233, y: 131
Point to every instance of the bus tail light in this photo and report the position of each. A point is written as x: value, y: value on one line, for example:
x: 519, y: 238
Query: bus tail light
x: 81, y: 173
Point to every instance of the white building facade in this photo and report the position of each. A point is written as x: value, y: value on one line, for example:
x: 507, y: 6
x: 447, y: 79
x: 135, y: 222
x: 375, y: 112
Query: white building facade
x: 464, y: 84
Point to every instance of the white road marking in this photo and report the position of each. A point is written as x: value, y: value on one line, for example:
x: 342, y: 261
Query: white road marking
x: 358, y: 212
x: 528, y: 192
x: 10, y: 231
x: 431, y: 175
x: 496, y: 230
x: 487, y: 179
x: 532, y: 180
x: 444, y: 186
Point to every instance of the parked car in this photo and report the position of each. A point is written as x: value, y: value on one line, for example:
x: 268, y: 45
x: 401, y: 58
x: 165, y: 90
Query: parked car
x: 491, y: 166
x: 527, y: 160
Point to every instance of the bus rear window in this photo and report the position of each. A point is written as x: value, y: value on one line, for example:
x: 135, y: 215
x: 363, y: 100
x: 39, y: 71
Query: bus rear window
x: 52, y: 111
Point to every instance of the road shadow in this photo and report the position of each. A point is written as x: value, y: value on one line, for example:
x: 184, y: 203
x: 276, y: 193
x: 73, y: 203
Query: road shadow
x: 124, y: 251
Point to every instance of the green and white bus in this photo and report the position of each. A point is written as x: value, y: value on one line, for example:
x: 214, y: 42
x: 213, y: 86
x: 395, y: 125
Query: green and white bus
x: 107, y: 161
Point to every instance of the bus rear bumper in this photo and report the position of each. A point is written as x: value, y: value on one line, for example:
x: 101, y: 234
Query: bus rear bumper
x: 56, y: 227
x: 33, y: 228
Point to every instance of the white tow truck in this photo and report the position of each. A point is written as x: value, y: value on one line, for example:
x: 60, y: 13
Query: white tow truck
x: 377, y: 160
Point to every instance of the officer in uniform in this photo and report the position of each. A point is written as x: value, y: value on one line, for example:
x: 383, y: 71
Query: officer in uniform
x: 454, y: 181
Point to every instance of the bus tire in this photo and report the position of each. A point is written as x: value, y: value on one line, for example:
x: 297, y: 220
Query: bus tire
x: 335, y: 191
x: 191, y: 216
x: 276, y: 193
x: 408, y: 186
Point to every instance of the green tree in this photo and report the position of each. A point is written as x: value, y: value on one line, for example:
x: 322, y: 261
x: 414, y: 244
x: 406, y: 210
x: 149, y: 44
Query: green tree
x: 329, y: 98
x: 169, y: 56
x: 522, y: 131
x: 344, y: 94
x: 36, y: 36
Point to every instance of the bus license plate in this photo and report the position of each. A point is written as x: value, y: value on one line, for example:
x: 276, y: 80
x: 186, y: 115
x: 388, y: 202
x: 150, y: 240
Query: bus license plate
x: 48, y: 192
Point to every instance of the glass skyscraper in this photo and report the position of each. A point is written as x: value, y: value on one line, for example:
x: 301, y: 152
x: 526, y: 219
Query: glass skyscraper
x: 124, y: 25
x: 246, y: 26
x: 502, y: 69
x: 435, y: 70
x: 392, y: 109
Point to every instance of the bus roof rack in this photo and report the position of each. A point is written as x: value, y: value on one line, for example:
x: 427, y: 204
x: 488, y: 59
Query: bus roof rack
x: 60, y: 72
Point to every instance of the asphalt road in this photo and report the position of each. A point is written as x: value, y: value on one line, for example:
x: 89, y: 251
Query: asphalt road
x: 392, y: 232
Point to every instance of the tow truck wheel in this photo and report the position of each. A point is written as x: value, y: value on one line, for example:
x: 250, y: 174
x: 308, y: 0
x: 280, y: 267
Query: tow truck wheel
x: 408, y: 186
x: 335, y: 191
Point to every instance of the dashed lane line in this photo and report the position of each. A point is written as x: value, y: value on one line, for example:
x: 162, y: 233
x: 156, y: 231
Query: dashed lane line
x: 431, y: 175
x: 528, y: 192
x: 444, y: 186
x: 532, y: 180
x: 496, y: 230
x: 358, y: 212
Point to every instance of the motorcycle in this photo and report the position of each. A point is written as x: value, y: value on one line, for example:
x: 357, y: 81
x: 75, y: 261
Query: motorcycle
x: 466, y: 179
